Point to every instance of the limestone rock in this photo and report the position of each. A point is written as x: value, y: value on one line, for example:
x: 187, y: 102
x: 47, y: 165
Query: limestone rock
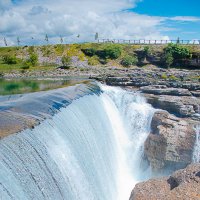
x: 164, y: 90
x: 182, y: 106
x: 170, y: 144
x: 183, y: 184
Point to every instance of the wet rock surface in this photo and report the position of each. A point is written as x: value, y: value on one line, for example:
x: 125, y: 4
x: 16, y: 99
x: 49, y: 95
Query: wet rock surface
x: 182, y: 184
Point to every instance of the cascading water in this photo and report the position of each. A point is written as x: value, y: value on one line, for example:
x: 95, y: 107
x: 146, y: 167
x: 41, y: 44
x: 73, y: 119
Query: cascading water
x: 196, y: 153
x: 90, y: 150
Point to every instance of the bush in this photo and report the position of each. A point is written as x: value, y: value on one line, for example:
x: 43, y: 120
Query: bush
x: 66, y: 62
x: 10, y: 60
x: 93, y: 61
x: 110, y: 52
x: 147, y: 51
x: 33, y: 59
x: 168, y: 59
x: 26, y: 66
x: 177, y: 51
x: 164, y: 76
x: 103, y: 61
x: 89, y: 52
x: 128, y: 60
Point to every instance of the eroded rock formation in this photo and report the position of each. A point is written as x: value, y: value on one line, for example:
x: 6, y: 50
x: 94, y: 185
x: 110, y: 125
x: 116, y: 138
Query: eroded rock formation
x: 170, y: 144
x: 183, y: 184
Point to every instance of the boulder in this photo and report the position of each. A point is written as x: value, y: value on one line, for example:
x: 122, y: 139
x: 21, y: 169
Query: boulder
x: 183, y: 184
x: 170, y: 144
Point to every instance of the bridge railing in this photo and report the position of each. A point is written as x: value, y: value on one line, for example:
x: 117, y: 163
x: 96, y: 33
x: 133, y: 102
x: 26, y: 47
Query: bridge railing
x: 146, y: 42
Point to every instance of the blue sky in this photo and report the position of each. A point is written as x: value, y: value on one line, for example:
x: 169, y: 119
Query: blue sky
x: 168, y: 8
x: 114, y: 19
x: 173, y: 8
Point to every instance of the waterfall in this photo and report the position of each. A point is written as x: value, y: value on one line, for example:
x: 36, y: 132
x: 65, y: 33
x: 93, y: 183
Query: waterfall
x: 196, y: 153
x: 90, y: 150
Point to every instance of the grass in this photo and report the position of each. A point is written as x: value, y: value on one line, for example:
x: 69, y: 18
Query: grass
x: 18, y: 67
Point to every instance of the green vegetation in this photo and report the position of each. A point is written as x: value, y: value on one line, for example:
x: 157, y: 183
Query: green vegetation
x: 94, y: 60
x: 168, y: 59
x: 175, y: 53
x: 108, y: 51
x: 66, y: 62
x: 32, y: 61
x: 26, y: 58
x: 128, y: 60
x: 9, y: 59
x: 164, y: 76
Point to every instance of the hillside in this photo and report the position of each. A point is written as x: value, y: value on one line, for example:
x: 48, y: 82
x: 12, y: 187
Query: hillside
x: 82, y: 56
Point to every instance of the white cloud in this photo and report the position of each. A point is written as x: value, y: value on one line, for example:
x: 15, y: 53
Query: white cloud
x: 185, y: 18
x: 72, y: 17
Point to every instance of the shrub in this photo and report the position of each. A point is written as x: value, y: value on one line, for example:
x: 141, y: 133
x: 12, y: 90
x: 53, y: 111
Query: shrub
x: 164, y: 76
x: 93, y: 61
x: 128, y: 60
x: 110, y: 51
x: 103, y: 61
x: 168, y: 59
x: 10, y: 60
x: 66, y: 62
x: 173, y: 78
x: 26, y: 66
x: 147, y: 51
x: 178, y: 51
x: 30, y: 62
x: 33, y: 59
x: 89, y: 52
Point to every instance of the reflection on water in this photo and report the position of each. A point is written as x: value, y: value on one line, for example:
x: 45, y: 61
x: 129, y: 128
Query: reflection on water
x: 21, y: 86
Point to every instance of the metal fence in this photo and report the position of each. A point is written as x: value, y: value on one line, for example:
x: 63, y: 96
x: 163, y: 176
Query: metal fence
x: 149, y: 42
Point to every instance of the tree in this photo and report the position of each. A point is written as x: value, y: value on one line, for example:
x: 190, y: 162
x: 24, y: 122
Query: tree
x: 5, y: 42
x: 61, y: 39
x: 96, y: 36
x: 46, y: 38
x: 178, y: 40
x: 18, y: 41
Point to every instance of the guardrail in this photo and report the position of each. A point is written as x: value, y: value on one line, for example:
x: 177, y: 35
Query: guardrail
x: 150, y: 42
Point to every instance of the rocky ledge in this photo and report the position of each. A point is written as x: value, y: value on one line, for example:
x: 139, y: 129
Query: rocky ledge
x: 183, y: 184
x: 170, y: 144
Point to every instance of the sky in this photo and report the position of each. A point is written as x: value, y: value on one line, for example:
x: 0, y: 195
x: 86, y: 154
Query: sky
x: 31, y: 20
